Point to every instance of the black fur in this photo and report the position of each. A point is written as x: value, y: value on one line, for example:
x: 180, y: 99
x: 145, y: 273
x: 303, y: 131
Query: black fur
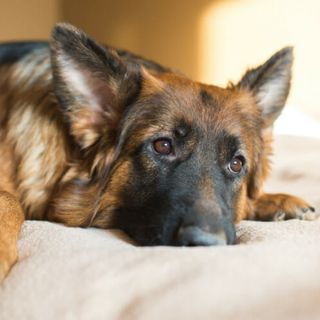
x: 206, y: 98
x: 155, y: 196
x: 275, y: 71
x: 255, y: 78
x: 159, y: 205
x: 11, y: 52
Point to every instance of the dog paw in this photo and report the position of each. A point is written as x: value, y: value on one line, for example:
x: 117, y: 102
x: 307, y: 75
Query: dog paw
x: 279, y: 207
x: 308, y: 214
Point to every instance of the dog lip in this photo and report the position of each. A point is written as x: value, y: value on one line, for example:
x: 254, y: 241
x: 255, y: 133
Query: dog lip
x: 195, y: 236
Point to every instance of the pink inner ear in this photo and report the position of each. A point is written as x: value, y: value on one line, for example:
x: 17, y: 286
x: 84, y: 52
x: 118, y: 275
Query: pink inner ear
x: 106, y: 102
x: 95, y: 108
x: 90, y: 88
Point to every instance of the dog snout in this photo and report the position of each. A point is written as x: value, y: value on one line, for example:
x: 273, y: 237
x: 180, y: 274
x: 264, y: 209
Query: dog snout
x: 195, y: 236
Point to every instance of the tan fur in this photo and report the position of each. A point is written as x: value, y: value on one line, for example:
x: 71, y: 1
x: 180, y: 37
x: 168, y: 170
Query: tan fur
x: 31, y: 147
x: 73, y: 161
x: 11, y: 218
x: 281, y: 206
x: 112, y: 197
x: 40, y: 141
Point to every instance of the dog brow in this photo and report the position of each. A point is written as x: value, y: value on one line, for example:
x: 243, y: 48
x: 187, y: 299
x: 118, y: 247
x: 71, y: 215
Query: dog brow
x: 206, y: 98
x: 228, y: 144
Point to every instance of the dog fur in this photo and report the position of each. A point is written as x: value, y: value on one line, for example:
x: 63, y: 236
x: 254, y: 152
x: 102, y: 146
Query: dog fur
x: 99, y: 137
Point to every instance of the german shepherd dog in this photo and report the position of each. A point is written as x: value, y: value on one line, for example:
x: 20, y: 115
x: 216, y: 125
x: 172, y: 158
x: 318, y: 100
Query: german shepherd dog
x: 92, y: 136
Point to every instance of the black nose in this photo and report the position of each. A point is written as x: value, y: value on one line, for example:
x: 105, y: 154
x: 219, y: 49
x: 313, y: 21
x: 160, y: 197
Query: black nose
x: 194, y: 236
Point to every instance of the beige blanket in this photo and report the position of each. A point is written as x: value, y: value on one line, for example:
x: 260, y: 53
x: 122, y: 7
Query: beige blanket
x: 274, y: 272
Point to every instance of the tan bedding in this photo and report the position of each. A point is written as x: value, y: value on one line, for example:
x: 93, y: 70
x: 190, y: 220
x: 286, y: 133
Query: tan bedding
x: 274, y: 272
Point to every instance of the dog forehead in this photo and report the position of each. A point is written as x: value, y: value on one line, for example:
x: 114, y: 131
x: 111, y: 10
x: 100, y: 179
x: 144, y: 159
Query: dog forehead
x: 177, y: 94
x: 169, y: 102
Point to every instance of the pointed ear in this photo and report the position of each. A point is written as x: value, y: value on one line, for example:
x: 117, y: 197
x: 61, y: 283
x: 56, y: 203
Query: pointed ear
x: 92, y: 84
x: 270, y: 84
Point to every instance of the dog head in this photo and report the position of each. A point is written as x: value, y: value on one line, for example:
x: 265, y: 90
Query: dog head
x: 176, y: 161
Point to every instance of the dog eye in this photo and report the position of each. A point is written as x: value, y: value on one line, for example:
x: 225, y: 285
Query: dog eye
x: 236, y: 164
x: 163, y: 146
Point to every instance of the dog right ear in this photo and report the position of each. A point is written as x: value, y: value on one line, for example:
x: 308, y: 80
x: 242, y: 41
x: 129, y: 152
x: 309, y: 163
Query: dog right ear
x: 270, y: 84
x: 92, y: 84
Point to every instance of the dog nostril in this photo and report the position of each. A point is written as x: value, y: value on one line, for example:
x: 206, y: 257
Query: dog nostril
x: 194, y: 236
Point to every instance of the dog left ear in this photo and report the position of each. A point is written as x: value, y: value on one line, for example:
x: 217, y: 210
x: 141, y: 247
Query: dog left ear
x: 92, y: 84
x: 270, y: 84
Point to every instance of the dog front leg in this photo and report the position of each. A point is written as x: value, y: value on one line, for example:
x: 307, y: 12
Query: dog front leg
x: 11, y: 219
x: 280, y: 206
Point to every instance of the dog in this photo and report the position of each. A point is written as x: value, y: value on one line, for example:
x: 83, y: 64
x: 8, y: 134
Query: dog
x: 93, y: 136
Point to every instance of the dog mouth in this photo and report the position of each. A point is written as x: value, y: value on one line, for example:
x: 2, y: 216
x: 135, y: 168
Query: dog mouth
x: 180, y: 236
x: 192, y: 236
x: 168, y: 226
